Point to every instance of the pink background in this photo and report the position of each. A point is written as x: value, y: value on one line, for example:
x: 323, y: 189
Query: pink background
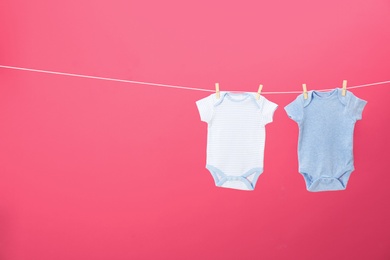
x: 93, y: 169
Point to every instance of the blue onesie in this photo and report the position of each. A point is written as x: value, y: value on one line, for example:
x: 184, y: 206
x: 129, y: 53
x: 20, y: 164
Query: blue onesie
x: 326, y: 123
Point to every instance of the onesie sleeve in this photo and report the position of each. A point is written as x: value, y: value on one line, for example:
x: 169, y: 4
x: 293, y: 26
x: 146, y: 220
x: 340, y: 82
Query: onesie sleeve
x: 205, y: 108
x: 355, y: 106
x: 294, y: 110
x: 267, y: 110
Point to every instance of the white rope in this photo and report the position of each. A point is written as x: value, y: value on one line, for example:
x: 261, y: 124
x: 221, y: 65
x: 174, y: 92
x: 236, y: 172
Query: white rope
x: 103, y: 78
x: 166, y: 85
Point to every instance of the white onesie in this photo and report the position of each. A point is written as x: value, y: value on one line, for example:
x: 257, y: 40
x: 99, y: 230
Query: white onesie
x: 235, y: 137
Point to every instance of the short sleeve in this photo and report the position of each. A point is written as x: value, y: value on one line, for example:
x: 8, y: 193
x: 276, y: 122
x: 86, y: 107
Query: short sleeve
x: 355, y: 106
x: 205, y: 108
x: 294, y: 110
x: 267, y: 110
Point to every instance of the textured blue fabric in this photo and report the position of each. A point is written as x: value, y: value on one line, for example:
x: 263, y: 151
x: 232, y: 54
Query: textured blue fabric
x: 326, y: 123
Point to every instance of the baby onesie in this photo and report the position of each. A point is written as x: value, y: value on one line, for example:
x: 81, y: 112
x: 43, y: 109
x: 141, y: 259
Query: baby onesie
x: 326, y: 122
x: 235, y: 137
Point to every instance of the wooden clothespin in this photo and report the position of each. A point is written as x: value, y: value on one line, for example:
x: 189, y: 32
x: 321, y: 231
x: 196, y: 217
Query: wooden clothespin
x: 259, y: 92
x: 304, y: 91
x: 344, y: 90
x: 217, y: 90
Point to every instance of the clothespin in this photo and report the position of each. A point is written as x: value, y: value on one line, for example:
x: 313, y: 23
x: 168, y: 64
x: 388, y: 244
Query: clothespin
x: 304, y: 91
x: 217, y: 90
x: 259, y: 92
x: 344, y: 90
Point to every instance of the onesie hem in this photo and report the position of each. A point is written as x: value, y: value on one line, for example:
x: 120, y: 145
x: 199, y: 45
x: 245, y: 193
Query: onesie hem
x: 221, y: 178
x: 327, y: 183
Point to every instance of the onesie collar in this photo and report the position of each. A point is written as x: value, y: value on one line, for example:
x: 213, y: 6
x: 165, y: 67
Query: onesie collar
x: 249, y: 95
x: 340, y: 97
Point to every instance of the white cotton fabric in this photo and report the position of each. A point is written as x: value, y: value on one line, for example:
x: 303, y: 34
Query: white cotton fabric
x: 236, y: 137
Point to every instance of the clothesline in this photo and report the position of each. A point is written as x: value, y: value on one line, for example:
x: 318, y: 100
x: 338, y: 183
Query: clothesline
x: 166, y: 85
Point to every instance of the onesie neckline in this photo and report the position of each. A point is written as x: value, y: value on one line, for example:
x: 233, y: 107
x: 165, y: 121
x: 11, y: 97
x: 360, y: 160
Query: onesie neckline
x: 325, y: 95
x: 233, y: 96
